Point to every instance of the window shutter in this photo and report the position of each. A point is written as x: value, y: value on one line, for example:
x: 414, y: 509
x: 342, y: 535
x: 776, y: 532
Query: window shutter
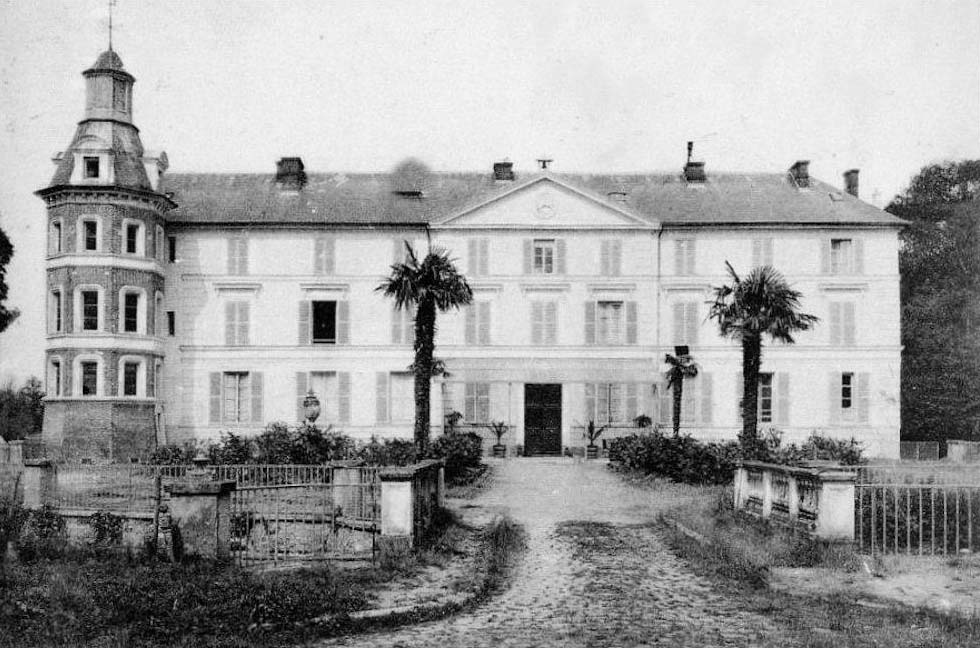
x: 471, y: 260
x: 484, y: 322
x: 602, y: 403
x: 680, y: 336
x: 396, y: 326
x: 833, y: 392
x: 528, y: 256
x: 470, y: 324
x: 551, y: 323
x: 230, y: 313
x: 305, y: 308
x: 343, y: 396
x: 469, y: 403
x: 484, y: 256
x: 244, y: 315
x: 848, y: 323
x: 616, y: 259
x: 590, y: 413
x: 536, y: 326
x: 631, y: 412
x: 631, y: 322
x: 604, y: 266
x: 858, y: 256
x: 560, y: 256
x: 483, y: 402
x: 835, y: 323
x: 590, y: 322
x: 825, y: 256
x: 692, y: 323
x: 707, y: 397
x: 756, y: 253
x: 343, y: 322
x: 243, y: 256
x: 863, y: 396
x: 782, y: 398
x: 215, y: 409
x: 256, y: 379
x: 679, y: 257
x: 739, y: 395
x: 301, y: 395
x: 381, y: 393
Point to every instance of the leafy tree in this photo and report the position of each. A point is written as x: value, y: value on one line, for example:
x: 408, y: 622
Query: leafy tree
x: 940, y: 284
x: 429, y: 286
x: 7, y: 316
x: 760, y: 304
x: 681, y: 367
x: 21, y: 410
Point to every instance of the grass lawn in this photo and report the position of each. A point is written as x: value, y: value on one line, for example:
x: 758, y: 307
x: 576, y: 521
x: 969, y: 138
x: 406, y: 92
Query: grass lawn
x: 740, y: 554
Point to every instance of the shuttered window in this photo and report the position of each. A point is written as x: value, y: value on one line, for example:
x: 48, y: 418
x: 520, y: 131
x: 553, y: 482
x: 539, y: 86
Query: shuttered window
x: 236, y: 397
x: 611, y: 403
x: 544, y: 256
x: 324, y: 385
x: 610, y: 322
x: 478, y: 257
x: 610, y: 258
x: 324, y: 322
x: 402, y: 397
x: 842, y: 323
x: 476, y: 404
x: 237, y: 314
x: 478, y: 323
x: 238, y: 255
x: 403, y: 326
x: 544, y: 322
x: 849, y: 397
x: 761, y: 252
x: 684, y: 256
x: 765, y: 398
x: 841, y: 256
x: 687, y: 323
x: 323, y: 255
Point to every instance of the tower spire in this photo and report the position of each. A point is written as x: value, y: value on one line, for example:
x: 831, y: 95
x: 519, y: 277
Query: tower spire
x: 112, y: 3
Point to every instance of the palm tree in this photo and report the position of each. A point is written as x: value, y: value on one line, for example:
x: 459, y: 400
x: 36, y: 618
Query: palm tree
x: 681, y: 367
x: 430, y: 285
x: 761, y: 303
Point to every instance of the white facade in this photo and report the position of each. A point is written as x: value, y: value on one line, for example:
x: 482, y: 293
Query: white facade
x: 569, y: 289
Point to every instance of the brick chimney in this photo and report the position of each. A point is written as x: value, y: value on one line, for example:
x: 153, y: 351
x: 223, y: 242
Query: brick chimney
x: 851, y: 182
x: 290, y: 174
x: 693, y: 171
x: 503, y: 170
x: 800, y: 171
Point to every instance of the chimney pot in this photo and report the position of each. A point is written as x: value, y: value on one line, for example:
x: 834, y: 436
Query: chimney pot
x: 851, y: 182
x: 801, y: 173
x: 694, y: 172
x: 290, y: 173
x: 503, y: 170
x: 544, y: 162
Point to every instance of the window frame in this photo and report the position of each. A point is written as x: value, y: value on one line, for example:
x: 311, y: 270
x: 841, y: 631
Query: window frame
x: 56, y: 310
x: 79, y: 315
x: 56, y: 368
x: 243, y: 396
x: 848, y: 400
x: 78, y: 378
x: 56, y: 243
x: 171, y: 249
x: 766, y: 392
x: 87, y: 168
x: 82, y: 242
x: 171, y: 323
x: 313, y: 321
x: 544, y: 256
x: 602, y: 332
x: 407, y: 377
x: 141, y: 310
x: 140, y: 377
x: 478, y: 402
x: 842, y: 261
x: 139, y: 240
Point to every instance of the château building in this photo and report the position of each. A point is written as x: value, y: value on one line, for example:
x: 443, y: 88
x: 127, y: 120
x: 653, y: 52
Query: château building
x: 184, y: 305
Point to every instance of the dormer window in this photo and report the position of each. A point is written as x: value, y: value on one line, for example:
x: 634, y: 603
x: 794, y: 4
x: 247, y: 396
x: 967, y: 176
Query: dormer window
x: 91, y: 167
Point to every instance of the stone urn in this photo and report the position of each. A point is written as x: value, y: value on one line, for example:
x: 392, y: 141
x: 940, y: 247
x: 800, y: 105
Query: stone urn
x: 592, y: 452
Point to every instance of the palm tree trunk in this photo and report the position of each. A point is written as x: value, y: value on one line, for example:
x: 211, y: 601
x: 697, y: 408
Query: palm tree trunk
x: 425, y: 329
x: 678, y: 403
x: 751, y: 362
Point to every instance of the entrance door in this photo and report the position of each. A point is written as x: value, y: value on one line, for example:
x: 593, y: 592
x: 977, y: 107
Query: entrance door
x: 542, y: 419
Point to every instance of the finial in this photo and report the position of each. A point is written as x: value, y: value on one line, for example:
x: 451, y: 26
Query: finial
x: 112, y: 3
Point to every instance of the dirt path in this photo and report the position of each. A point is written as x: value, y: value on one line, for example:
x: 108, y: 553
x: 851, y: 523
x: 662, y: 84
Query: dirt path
x: 596, y: 573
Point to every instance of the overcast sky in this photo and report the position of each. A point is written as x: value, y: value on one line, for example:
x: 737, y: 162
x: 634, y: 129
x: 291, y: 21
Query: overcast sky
x: 886, y: 85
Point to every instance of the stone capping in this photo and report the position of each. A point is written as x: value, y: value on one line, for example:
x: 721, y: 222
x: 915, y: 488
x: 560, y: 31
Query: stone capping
x: 828, y: 472
x: 204, y: 487
x: 407, y: 473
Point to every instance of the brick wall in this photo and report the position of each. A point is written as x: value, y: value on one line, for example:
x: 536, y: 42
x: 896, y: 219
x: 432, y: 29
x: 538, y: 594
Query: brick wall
x: 112, y: 217
x: 100, y: 430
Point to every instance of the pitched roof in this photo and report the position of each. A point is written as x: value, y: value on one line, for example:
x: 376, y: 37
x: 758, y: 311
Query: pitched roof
x: 373, y: 199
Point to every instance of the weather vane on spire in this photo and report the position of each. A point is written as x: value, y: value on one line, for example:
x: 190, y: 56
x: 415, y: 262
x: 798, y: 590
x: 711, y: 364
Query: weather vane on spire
x: 112, y: 3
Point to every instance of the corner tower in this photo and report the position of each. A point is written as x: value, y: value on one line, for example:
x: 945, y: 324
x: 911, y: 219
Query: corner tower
x: 104, y: 279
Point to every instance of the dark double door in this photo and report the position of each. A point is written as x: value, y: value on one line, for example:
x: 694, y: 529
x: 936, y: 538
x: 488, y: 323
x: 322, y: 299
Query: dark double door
x: 542, y: 420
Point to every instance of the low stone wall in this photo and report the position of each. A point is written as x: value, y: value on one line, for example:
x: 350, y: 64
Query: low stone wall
x: 138, y: 527
x: 410, y: 496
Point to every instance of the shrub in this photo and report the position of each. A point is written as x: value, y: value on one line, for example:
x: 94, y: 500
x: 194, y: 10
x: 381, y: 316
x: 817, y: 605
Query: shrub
x: 680, y: 458
x: 21, y: 409
x: 461, y: 452
x: 108, y: 528
x: 387, y: 452
x: 43, y: 534
x: 172, y: 455
x: 12, y: 516
x: 231, y: 449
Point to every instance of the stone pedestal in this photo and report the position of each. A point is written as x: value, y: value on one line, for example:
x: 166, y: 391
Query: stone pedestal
x: 38, y: 482
x: 835, y: 523
x: 397, y: 524
x: 200, y: 517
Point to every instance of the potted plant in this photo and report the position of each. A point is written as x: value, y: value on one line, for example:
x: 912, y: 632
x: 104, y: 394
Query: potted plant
x: 499, y: 428
x: 592, y: 434
x: 643, y: 421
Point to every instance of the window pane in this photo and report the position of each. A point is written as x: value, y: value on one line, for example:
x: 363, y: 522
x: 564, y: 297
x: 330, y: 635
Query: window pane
x: 54, y: 245
x: 171, y: 323
x: 544, y: 257
x: 846, y: 390
x: 90, y: 310
x: 402, y: 397
x: 91, y: 167
x: 89, y: 378
x: 765, y: 398
x: 610, y: 323
x: 132, y: 233
x: 131, y: 312
x: 91, y: 236
x: 325, y: 322
x: 130, y: 372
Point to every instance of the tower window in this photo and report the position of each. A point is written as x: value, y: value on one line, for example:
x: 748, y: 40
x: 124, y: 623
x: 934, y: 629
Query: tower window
x: 90, y: 310
x: 54, y: 240
x: 171, y: 248
x: 171, y: 323
x: 130, y: 373
x: 54, y: 377
x: 91, y: 167
x: 90, y: 378
x: 91, y: 234
x: 132, y: 236
x: 131, y: 308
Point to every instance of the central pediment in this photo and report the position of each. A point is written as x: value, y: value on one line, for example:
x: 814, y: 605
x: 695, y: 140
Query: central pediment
x: 545, y: 203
